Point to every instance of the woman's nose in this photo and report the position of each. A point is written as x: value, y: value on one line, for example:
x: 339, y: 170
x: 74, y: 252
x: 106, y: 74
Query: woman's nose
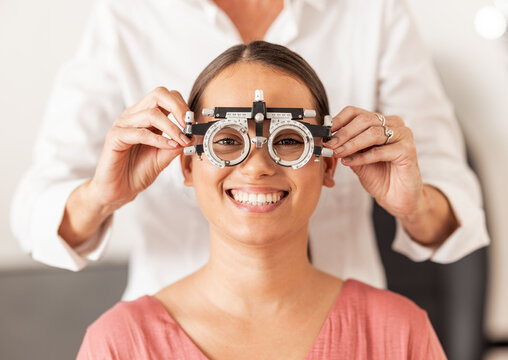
x: 258, y: 163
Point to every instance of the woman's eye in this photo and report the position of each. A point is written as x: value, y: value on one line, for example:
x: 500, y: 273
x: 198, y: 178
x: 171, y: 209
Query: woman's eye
x: 288, y: 141
x: 227, y: 141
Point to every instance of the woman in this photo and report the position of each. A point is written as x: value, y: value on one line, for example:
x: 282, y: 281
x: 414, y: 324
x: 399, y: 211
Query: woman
x: 258, y: 297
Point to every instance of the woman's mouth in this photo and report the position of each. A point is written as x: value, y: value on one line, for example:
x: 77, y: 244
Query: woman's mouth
x: 257, y: 201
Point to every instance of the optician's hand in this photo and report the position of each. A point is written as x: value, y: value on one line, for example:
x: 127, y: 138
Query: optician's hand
x: 135, y: 152
x: 390, y: 173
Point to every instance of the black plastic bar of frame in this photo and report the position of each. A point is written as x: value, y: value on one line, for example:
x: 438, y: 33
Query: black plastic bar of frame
x: 259, y: 107
x: 317, y: 150
x: 318, y: 130
x: 220, y: 112
x: 259, y: 129
x: 201, y: 129
x: 199, y: 149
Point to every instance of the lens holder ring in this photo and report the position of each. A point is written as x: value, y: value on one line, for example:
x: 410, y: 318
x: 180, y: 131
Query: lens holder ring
x: 239, y: 125
x: 278, y: 125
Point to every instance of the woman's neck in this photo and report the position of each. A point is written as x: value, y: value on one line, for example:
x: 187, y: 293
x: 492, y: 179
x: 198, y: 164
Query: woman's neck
x: 247, y: 279
x: 251, y: 18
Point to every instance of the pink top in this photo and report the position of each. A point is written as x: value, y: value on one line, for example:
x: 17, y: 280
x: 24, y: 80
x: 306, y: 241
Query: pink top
x: 364, y: 323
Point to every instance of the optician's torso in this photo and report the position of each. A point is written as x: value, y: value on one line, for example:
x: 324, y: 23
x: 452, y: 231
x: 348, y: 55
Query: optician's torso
x: 168, y: 43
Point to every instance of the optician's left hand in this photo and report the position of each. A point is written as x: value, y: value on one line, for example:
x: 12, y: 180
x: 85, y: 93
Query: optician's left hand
x: 388, y: 171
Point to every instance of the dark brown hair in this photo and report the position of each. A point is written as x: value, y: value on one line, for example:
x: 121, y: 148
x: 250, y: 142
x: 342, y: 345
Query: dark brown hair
x: 270, y: 55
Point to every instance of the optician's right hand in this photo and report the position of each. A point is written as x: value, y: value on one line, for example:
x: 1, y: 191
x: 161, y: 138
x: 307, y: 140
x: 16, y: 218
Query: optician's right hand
x: 135, y: 152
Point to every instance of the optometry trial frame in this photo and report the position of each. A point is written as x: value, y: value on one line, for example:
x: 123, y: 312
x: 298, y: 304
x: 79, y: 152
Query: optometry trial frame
x: 290, y: 142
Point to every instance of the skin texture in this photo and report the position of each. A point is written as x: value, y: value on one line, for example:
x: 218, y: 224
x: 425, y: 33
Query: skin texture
x: 258, y: 284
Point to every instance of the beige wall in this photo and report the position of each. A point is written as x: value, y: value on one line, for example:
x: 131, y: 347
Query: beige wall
x: 36, y: 38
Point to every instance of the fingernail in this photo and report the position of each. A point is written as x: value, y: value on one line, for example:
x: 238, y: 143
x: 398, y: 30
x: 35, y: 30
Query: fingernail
x: 347, y: 159
x: 173, y: 143
x: 185, y: 138
x: 339, y: 150
x: 332, y: 141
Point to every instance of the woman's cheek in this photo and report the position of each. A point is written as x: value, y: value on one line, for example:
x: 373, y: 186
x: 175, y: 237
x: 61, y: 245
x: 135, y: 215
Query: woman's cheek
x: 311, y: 185
x: 204, y: 181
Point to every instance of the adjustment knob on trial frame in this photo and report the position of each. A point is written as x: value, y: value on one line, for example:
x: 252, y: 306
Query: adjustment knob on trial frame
x: 258, y: 95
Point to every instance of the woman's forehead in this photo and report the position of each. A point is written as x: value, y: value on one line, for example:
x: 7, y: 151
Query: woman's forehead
x: 235, y: 87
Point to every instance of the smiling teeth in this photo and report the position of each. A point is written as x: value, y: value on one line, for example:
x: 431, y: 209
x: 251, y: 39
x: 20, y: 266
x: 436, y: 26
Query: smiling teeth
x: 256, y: 199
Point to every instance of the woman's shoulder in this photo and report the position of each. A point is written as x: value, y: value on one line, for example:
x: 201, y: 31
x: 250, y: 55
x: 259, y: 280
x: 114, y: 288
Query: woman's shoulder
x: 393, y: 323
x: 142, y: 312
x: 370, y: 300
x: 125, y: 329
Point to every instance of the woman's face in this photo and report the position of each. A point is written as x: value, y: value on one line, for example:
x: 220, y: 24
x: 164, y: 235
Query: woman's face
x: 293, y: 193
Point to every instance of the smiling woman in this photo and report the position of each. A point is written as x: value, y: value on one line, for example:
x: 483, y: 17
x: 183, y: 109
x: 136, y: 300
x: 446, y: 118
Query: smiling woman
x: 297, y: 191
x: 259, y: 296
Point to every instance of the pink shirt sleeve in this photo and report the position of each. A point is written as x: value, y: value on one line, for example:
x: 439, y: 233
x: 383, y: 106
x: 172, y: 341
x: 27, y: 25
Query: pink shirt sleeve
x: 369, y: 323
x: 399, y: 329
x: 114, y: 335
x: 139, y: 329
x: 431, y: 347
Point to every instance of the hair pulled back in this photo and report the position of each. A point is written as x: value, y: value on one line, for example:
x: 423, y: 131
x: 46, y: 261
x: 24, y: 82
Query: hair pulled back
x: 271, y: 55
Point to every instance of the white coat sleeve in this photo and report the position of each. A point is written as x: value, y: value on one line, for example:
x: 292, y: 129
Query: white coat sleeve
x: 85, y: 101
x: 409, y: 87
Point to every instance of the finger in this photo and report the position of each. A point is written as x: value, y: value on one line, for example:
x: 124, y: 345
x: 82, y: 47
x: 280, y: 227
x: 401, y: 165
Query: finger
x: 164, y: 157
x: 356, y: 126
x: 400, y: 153
x: 154, y: 118
x: 344, y: 117
x: 122, y: 139
x: 394, y: 121
x: 171, y: 101
x: 374, y: 135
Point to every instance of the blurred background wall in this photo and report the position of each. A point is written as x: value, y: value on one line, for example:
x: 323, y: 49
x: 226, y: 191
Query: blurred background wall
x: 44, y: 312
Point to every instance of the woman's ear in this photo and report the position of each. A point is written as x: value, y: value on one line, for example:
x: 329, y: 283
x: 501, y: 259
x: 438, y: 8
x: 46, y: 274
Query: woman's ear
x: 186, y: 163
x: 330, y: 164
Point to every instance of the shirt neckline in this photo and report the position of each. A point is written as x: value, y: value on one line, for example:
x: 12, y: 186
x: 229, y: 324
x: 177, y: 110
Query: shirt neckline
x: 317, y: 4
x: 322, y: 332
